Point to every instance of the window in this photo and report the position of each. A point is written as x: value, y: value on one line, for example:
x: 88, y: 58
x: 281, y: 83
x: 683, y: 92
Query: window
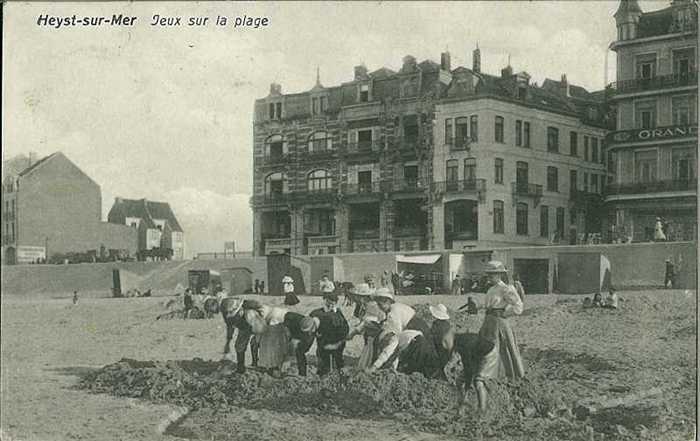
x: 498, y: 171
x: 585, y: 182
x: 278, y: 111
x: 573, y: 143
x: 319, y: 180
x: 544, y: 221
x: 275, y: 147
x: 518, y: 133
x: 645, y: 166
x: 612, y: 161
x: 470, y: 169
x: 594, y: 150
x: 275, y: 184
x: 448, y: 131
x: 646, y: 66
x: 573, y: 181
x: 602, y: 184
x: 552, y: 179
x: 602, y: 151
x: 526, y: 134
x: 645, y: 114
x: 560, y: 222
x: 683, y: 62
x: 410, y: 128
x: 498, y: 132
x: 324, y: 103
x: 272, y: 110
x: 521, y: 219
x: 522, y: 92
x: 364, y: 93
x: 319, y: 142
x: 461, y: 136
x: 552, y: 139
x: 364, y: 139
x: 314, y: 106
x: 683, y: 108
x: 451, y: 172
x: 572, y: 216
x: 585, y: 148
x: 683, y: 163
x: 410, y: 175
x: 594, y: 183
x: 364, y: 181
x: 498, y: 217
x: 474, y: 127
x: 521, y: 176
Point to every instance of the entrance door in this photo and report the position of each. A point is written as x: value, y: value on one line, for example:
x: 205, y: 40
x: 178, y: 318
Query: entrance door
x: 534, y: 274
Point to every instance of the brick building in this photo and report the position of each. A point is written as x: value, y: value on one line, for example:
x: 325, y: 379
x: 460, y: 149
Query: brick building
x: 52, y: 207
x: 653, y: 152
x: 155, y: 223
x: 367, y: 165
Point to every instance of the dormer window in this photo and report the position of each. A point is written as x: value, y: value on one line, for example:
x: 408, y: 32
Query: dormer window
x: 364, y: 93
x: 319, y: 104
x: 275, y: 110
x: 522, y: 92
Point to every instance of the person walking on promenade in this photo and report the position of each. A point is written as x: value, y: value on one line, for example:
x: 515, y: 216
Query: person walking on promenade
x: 456, y: 285
x: 290, y: 299
x: 504, y: 360
x: 75, y: 297
x: 670, y: 275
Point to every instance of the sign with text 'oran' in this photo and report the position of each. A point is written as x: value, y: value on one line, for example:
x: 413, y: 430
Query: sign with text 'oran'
x: 659, y: 133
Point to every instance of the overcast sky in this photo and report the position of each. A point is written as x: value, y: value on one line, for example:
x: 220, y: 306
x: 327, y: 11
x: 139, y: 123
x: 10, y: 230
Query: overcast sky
x: 166, y: 113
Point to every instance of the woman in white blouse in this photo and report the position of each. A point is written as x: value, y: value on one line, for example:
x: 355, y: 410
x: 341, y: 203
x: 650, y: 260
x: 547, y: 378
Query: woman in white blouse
x: 267, y: 324
x: 501, y: 302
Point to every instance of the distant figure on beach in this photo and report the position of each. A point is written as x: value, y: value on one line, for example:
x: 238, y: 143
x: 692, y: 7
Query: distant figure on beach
x: 597, y: 299
x: 256, y: 287
x: 290, y: 299
x: 611, y: 300
x: 659, y: 234
x: 670, y: 276
x: 456, y: 286
x: 262, y: 287
x: 75, y: 297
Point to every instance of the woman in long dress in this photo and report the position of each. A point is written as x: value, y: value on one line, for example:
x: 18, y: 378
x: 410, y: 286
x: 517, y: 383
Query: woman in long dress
x: 503, y: 361
x: 267, y: 323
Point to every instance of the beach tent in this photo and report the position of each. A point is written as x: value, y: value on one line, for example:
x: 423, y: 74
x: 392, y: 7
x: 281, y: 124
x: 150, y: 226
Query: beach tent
x: 424, y: 269
x: 583, y: 273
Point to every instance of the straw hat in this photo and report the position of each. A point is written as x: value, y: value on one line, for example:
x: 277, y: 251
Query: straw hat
x: 383, y: 293
x: 495, y: 266
x: 363, y: 289
x: 439, y: 311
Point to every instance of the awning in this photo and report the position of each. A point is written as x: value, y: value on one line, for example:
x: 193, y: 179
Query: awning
x: 425, y: 260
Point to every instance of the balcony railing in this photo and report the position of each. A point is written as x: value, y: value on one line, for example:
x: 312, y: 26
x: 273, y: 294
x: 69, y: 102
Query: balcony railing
x: 460, y: 186
x: 362, y: 188
x: 365, y: 233
x: 408, y: 231
x: 527, y: 189
x: 365, y: 146
x: 408, y: 184
x: 276, y: 159
x: 273, y: 197
x: 8, y: 216
x: 659, y: 82
x: 652, y: 187
x: 321, y: 240
x: 458, y: 143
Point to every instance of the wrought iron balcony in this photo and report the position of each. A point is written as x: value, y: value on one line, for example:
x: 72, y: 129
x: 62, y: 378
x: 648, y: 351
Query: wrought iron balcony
x: 363, y: 188
x: 364, y: 233
x: 652, y: 187
x: 689, y: 78
x: 272, y: 197
x: 365, y: 146
x: 460, y: 186
x: 527, y: 189
x: 458, y: 143
x: 409, y: 185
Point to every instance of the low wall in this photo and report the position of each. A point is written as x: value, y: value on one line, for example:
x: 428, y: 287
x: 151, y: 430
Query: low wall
x: 97, y: 277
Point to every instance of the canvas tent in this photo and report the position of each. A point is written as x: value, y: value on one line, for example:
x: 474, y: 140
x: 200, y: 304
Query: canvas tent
x: 426, y: 271
x: 583, y: 273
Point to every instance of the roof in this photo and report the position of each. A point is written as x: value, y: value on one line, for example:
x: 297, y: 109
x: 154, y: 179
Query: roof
x: 655, y: 23
x: 37, y: 164
x: 146, y: 210
x: 628, y: 6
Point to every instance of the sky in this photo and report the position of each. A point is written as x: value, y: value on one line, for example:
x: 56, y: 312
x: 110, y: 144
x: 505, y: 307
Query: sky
x: 165, y: 113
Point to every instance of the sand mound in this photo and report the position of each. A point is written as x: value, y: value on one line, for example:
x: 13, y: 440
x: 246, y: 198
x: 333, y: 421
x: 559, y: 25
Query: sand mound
x: 423, y: 404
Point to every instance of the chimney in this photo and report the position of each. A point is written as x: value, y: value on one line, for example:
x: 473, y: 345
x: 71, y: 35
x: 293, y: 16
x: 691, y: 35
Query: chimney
x: 565, y: 85
x: 409, y: 62
x: 476, y: 59
x: 360, y: 72
x: 275, y: 89
x: 445, y: 61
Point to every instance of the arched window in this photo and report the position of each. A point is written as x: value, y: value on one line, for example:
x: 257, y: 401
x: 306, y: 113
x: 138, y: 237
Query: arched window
x: 275, y: 147
x: 470, y: 169
x: 319, y: 142
x: 275, y: 183
x: 320, y: 180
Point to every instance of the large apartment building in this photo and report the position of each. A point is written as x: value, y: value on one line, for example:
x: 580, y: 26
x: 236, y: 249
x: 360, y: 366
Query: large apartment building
x: 653, y: 152
x: 418, y: 159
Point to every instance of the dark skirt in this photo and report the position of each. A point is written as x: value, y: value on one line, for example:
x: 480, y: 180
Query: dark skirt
x: 504, y: 359
x: 419, y: 356
x: 290, y: 299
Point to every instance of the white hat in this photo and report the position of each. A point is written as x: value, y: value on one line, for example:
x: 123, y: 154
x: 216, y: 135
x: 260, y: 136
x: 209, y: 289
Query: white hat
x: 495, y: 266
x: 383, y: 293
x: 363, y: 289
x: 439, y: 311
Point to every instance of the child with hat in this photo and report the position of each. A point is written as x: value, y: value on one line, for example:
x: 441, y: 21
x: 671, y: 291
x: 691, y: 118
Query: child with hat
x: 331, y: 329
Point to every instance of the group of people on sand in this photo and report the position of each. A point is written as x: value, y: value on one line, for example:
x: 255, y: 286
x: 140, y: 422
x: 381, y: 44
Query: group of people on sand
x: 611, y: 301
x: 394, y: 336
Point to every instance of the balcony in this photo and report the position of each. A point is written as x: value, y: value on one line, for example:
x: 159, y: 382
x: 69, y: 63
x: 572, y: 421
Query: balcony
x: 409, y: 231
x: 524, y: 189
x: 323, y: 240
x: 272, y: 198
x: 276, y: 159
x: 317, y: 195
x: 408, y: 185
x: 10, y: 216
x: 363, y: 188
x: 364, y: 146
x: 364, y: 233
x: 277, y: 245
x: 656, y: 83
x: 458, y: 143
x: 672, y: 185
x: 320, y: 151
x: 461, y: 186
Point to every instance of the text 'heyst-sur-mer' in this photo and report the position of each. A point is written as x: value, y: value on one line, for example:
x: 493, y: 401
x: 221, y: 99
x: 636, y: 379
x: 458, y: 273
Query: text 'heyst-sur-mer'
x: 157, y: 20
